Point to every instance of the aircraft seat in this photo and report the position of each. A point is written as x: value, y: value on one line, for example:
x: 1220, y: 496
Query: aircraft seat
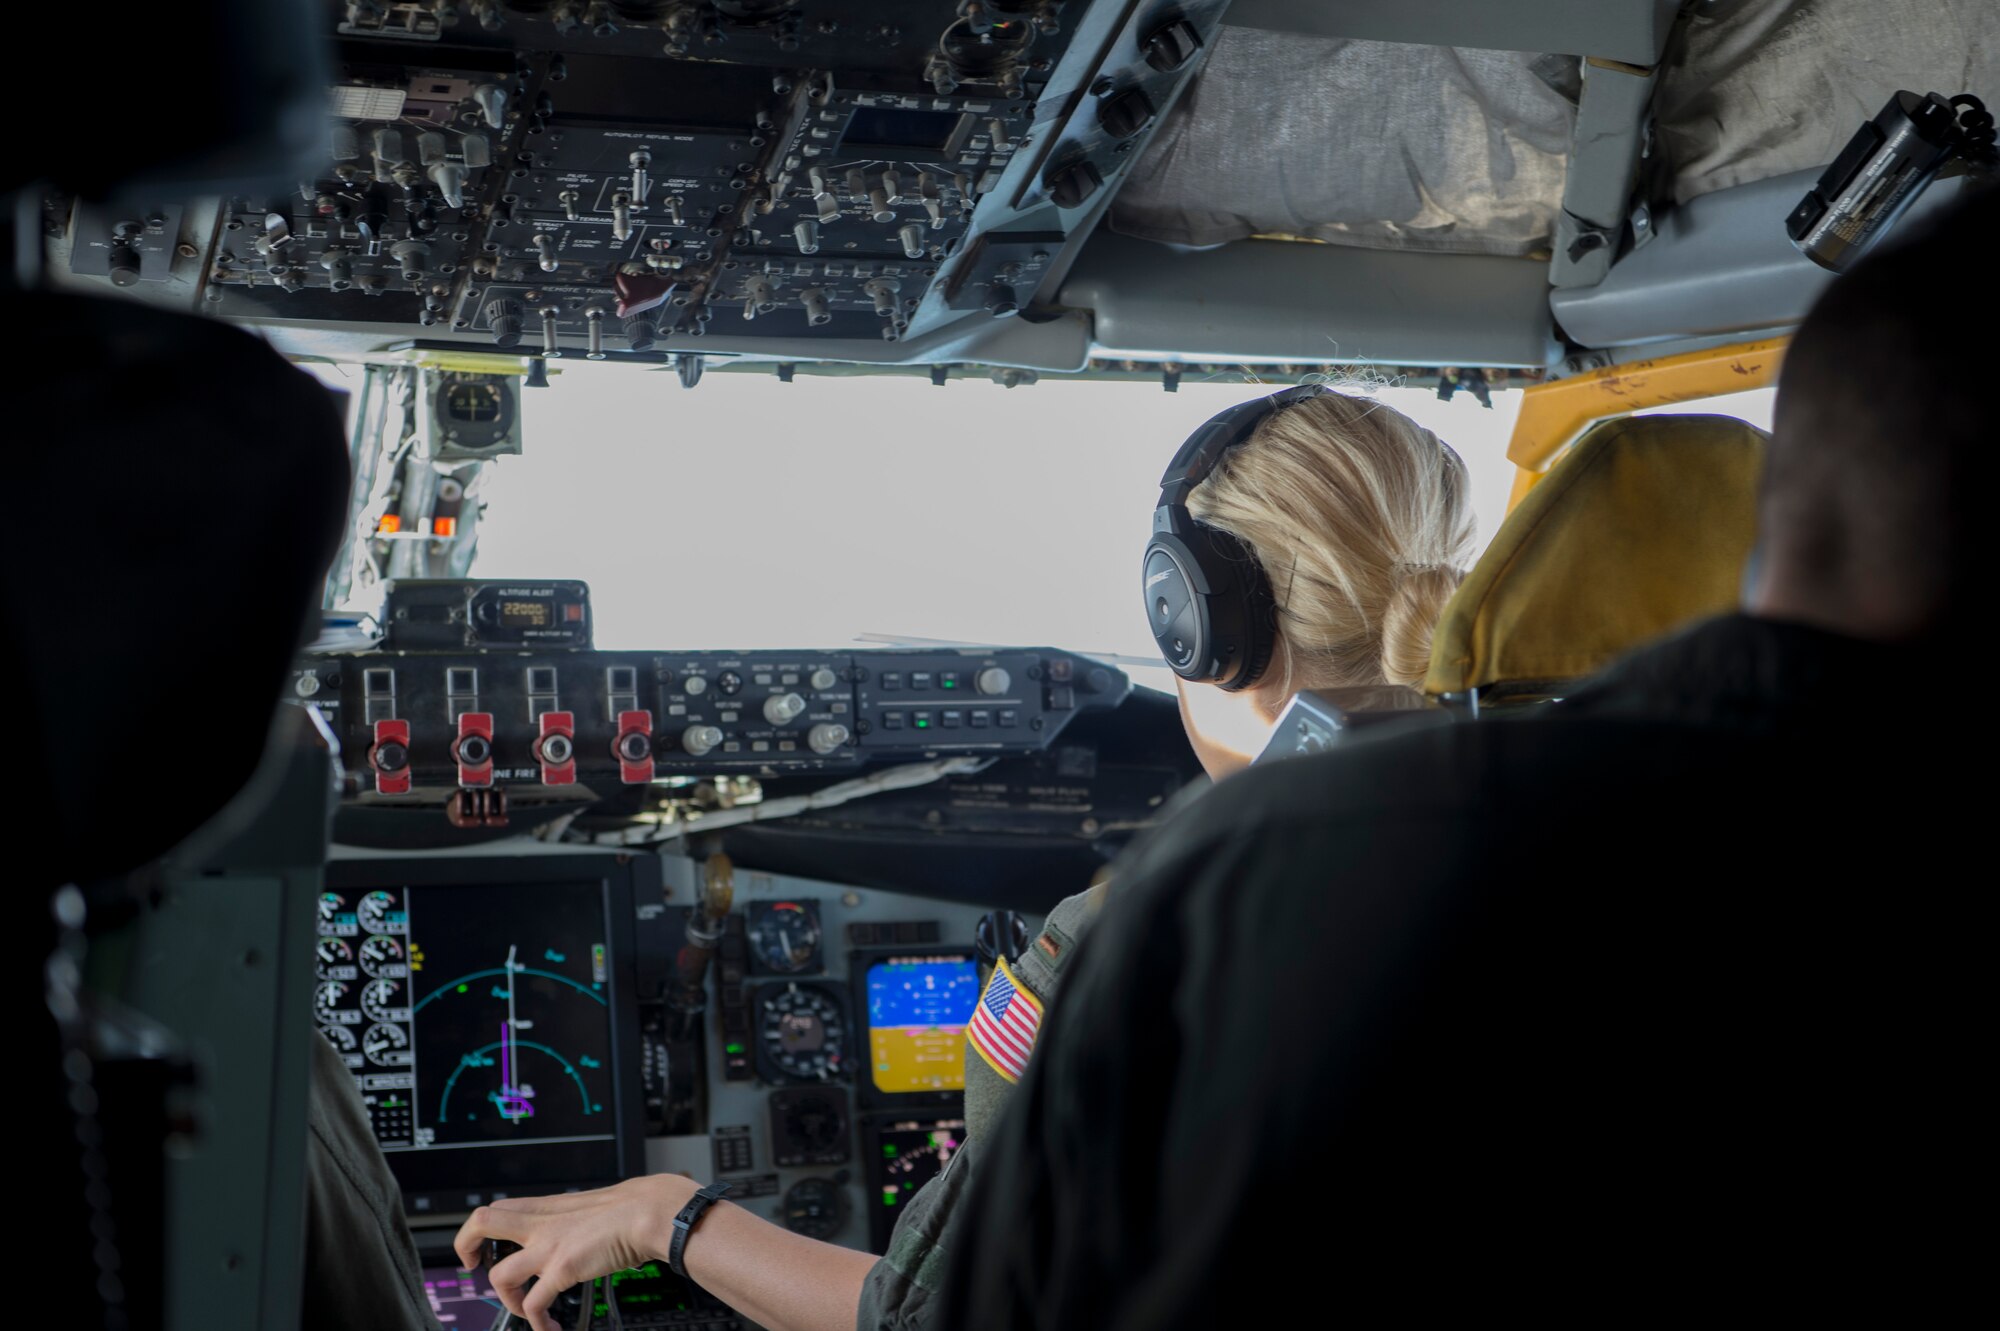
x: 1644, y: 526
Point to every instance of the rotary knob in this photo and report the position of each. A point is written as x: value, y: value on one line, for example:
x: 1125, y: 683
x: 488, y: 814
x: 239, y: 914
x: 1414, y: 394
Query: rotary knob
x: 698, y: 740
x: 783, y: 709
x: 824, y: 679
x: 992, y: 681
x: 826, y: 737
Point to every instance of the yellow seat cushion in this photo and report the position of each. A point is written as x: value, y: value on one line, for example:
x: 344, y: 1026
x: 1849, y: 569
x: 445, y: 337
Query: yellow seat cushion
x: 1642, y: 527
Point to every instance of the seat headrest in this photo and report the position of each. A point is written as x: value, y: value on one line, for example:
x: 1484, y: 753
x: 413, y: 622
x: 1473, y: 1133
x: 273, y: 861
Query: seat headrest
x: 179, y: 492
x: 1644, y: 526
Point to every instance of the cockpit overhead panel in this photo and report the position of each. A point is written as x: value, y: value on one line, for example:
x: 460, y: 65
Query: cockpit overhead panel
x: 600, y: 179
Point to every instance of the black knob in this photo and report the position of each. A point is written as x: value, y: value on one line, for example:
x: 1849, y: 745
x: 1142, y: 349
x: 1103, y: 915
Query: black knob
x: 124, y: 268
x: 506, y: 320
x: 474, y: 750
x: 1171, y: 46
x: 634, y: 746
x: 390, y: 756
x: 729, y: 682
x: 1000, y: 300
x: 640, y: 333
x: 1001, y: 933
x: 1071, y: 185
x: 1124, y: 114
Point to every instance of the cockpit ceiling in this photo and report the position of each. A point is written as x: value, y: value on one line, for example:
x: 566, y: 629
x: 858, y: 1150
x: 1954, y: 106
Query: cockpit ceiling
x: 1388, y: 145
x: 1754, y: 89
x: 1377, y: 144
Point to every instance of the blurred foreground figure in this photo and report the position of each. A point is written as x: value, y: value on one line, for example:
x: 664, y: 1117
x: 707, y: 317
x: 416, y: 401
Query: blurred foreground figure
x: 1662, y: 1002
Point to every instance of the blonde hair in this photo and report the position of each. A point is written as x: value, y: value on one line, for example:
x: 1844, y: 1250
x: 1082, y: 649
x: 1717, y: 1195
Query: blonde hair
x: 1360, y: 518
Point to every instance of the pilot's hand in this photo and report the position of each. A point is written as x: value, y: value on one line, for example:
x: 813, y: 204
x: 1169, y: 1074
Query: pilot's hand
x: 568, y: 1239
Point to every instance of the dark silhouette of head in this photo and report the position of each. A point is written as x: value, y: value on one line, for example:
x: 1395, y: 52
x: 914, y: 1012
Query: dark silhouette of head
x: 1887, y: 397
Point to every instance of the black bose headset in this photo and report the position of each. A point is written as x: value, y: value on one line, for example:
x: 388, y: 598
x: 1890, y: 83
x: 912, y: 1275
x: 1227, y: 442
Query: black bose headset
x: 1207, y: 598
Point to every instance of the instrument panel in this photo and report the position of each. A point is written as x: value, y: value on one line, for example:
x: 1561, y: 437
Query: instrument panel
x: 831, y: 1057
x: 852, y: 1095
x: 413, y: 724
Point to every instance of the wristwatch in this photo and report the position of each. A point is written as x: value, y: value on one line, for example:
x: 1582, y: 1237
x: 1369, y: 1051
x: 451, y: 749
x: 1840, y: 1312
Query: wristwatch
x: 685, y: 1222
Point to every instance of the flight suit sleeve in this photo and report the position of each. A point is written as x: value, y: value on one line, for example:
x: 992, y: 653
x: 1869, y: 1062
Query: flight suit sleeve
x: 901, y: 1291
x: 361, y: 1263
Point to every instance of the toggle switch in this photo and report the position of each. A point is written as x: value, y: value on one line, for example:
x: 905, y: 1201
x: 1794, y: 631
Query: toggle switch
x: 556, y: 749
x: 491, y: 100
x: 449, y: 177
x: 389, y: 755
x: 473, y: 749
x: 634, y: 747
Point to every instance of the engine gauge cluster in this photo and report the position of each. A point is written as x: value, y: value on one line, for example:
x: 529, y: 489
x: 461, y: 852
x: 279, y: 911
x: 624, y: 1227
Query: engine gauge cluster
x: 362, y: 962
x: 802, y: 1032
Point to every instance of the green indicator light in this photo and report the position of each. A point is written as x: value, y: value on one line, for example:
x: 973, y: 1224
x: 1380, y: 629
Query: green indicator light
x: 951, y: 683
x: 923, y: 723
x: 732, y: 1049
x: 461, y: 988
x: 888, y: 1151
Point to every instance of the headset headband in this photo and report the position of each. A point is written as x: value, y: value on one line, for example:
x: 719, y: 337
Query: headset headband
x: 1216, y: 436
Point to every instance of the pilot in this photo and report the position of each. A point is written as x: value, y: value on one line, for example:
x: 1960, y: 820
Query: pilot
x: 1656, y: 1004
x: 1307, y: 539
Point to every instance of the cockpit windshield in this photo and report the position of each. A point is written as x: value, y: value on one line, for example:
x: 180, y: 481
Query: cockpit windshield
x: 724, y: 514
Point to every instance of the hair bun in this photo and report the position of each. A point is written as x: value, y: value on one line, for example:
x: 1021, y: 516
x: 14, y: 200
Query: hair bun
x: 1416, y: 602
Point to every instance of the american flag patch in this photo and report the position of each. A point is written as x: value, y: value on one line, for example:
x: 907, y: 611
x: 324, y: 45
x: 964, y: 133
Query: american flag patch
x: 1003, y: 1026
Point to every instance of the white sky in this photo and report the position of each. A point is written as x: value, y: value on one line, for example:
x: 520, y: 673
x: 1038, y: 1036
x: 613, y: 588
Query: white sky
x: 751, y: 513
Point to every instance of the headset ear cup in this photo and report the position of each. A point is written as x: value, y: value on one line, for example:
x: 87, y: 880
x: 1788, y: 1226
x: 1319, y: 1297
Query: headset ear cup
x: 1261, y: 641
x: 1241, y: 614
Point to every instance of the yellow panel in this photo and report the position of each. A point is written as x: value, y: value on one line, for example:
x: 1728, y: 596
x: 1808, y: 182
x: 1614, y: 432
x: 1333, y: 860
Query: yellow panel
x: 1642, y: 528
x: 1554, y: 415
x: 917, y: 1058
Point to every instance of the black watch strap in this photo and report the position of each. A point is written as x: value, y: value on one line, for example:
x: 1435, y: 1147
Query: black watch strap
x: 688, y: 1218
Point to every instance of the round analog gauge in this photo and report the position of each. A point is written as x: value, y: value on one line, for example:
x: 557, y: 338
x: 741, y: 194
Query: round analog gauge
x: 379, y: 914
x: 386, y: 1045
x: 332, y: 954
x: 340, y: 1037
x: 381, y: 999
x: 814, y: 1207
x: 802, y: 1031
x: 328, y: 997
x: 784, y: 936
x: 383, y: 955
x: 330, y: 906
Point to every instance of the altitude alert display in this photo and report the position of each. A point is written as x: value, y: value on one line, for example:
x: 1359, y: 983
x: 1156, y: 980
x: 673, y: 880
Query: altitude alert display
x: 486, y: 1027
